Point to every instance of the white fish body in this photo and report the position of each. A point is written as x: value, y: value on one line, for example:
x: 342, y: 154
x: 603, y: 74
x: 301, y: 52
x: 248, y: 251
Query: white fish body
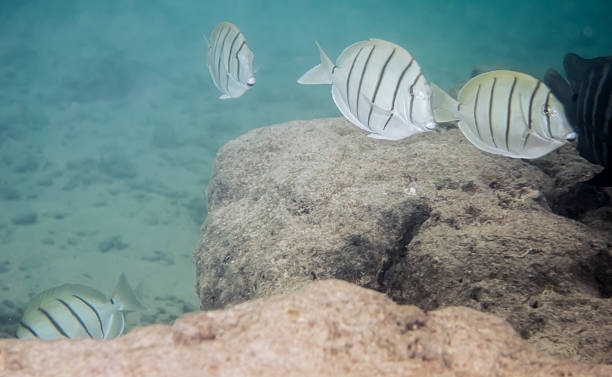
x: 379, y: 87
x: 507, y: 113
x: 230, y: 61
x: 78, y: 311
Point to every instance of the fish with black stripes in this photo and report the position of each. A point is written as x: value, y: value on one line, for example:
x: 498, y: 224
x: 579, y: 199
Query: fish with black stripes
x: 230, y: 61
x: 506, y: 113
x: 379, y: 87
x: 78, y: 311
x: 588, y: 103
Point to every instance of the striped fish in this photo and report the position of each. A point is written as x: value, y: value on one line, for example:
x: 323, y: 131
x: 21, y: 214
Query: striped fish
x: 230, y: 61
x: 379, y: 87
x: 507, y: 113
x: 77, y: 311
x: 588, y: 103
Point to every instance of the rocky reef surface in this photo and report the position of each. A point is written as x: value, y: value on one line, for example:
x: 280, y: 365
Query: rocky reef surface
x: 429, y: 220
x: 328, y: 328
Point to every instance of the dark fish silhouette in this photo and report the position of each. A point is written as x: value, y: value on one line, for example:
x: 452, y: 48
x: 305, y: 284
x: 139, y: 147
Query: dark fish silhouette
x: 588, y: 105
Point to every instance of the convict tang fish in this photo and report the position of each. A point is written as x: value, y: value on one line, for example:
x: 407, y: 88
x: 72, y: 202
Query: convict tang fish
x: 230, y: 61
x: 379, y: 87
x: 78, y: 311
x: 508, y: 113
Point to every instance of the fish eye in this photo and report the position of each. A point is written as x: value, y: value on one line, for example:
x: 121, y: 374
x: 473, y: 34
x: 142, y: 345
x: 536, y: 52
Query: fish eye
x: 547, y: 111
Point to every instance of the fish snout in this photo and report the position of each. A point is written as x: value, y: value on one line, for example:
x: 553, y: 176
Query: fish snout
x: 251, y: 81
x: 571, y: 136
x: 430, y: 126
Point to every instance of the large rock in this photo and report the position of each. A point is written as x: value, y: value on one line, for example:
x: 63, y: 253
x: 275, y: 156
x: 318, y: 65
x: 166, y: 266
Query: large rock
x: 430, y: 220
x: 331, y: 328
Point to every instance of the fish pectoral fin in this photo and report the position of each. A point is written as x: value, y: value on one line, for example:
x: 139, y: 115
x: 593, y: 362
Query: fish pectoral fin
x: 545, y: 140
x: 376, y: 107
x: 225, y: 96
x: 234, y: 81
x: 388, y: 113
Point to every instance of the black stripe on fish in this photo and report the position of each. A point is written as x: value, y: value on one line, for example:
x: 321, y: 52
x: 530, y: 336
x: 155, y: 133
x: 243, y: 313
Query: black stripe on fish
x: 380, y: 77
x: 509, y: 114
x: 608, y: 119
x: 491, y: 110
x: 30, y: 330
x: 579, y: 95
x: 93, y: 310
x: 596, y: 118
x: 238, y: 60
x: 535, y: 90
x: 231, y: 49
x: 215, y: 53
x: 529, y: 115
x: 229, y: 60
x: 365, y: 68
x: 585, y: 101
x: 76, y: 316
x: 476, y: 113
x: 547, y: 113
x: 399, y: 82
x: 348, y: 79
x: 221, y: 56
x: 411, y: 91
x: 53, y: 322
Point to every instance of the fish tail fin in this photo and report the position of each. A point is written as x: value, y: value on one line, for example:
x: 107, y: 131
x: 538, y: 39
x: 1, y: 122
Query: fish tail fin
x: 125, y: 296
x: 206, y: 40
x: 321, y: 74
x: 444, y: 106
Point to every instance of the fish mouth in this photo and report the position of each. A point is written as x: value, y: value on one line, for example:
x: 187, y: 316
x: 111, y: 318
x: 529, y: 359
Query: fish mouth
x: 430, y: 126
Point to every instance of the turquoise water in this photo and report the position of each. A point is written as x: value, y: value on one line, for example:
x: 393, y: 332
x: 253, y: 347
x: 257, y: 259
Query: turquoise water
x: 110, y: 123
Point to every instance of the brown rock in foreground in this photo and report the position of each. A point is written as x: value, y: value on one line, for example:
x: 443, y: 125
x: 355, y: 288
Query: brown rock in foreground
x: 330, y: 328
x: 430, y: 220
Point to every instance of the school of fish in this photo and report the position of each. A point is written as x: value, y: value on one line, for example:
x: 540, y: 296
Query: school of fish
x: 380, y: 88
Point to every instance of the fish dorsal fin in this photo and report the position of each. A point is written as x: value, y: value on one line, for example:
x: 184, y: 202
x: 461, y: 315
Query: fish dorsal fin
x: 444, y: 106
x: 558, y: 86
x: 575, y: 67
x: 126, y: 298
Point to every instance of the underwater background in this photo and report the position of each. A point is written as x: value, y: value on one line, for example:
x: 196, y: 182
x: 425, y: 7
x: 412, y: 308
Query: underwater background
x: 110, y: 122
